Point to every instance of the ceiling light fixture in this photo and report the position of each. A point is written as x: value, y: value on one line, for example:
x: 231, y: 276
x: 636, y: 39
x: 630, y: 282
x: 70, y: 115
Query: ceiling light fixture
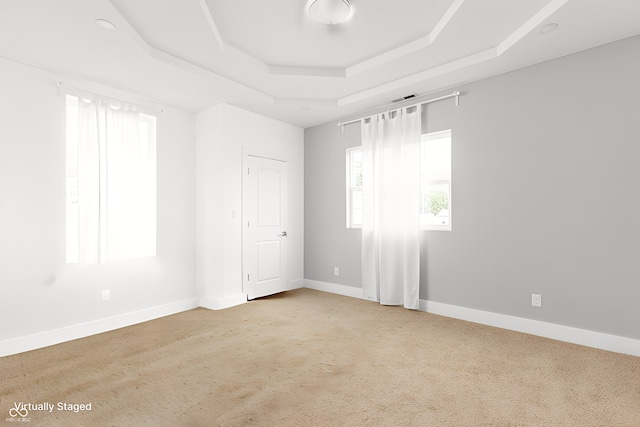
x: 330, y: 12
x: 547, y: 28
x: 105, y: 25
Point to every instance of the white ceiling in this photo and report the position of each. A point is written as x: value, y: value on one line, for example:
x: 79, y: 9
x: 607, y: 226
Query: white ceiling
x: 268, y: 56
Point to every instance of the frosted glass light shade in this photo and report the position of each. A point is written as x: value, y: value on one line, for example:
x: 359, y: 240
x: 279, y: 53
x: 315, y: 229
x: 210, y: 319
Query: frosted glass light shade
x: 330, y: 12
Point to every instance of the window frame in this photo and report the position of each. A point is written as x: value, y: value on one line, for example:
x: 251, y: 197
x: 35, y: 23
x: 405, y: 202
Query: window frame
x: 148, y: 133
x: 351, y: 189
x: 425, y: 138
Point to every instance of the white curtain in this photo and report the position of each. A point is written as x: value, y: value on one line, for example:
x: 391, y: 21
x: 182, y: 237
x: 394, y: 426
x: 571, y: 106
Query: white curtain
x: 391, y: 221
x: 116, y: 182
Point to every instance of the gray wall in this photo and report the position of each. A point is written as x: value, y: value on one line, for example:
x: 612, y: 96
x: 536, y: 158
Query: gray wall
x: 545, y: 195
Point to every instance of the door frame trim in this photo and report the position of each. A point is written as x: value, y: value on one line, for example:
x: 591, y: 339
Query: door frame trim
x: 252, y: 152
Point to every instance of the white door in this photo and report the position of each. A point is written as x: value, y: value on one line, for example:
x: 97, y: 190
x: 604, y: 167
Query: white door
x: 264, y: 225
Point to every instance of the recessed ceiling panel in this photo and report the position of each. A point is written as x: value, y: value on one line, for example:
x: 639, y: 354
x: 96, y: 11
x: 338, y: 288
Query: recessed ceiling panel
x: 280, y: 32
x: 179, y: 28
x: 474, y: 28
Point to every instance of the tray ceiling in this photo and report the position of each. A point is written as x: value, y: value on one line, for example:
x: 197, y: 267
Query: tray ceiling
x: 271, y: 58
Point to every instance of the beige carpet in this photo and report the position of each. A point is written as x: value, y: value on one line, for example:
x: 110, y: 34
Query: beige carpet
x: 307, y: 358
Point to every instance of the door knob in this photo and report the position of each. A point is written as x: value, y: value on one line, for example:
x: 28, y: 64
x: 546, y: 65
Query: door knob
x: 284, y: 234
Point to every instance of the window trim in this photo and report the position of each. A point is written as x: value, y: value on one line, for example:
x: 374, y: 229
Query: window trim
x: 148, y: 120
x: 350, y: 189
x: 437, y: 227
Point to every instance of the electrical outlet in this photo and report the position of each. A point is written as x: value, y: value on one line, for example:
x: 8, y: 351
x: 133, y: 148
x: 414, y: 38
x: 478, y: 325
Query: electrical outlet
x: 536, y: 300
x: 336, y: 271
x: 106, y: 295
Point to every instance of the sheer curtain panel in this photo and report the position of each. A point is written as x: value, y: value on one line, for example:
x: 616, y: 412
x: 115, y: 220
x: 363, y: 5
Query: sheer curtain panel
x: 391, y: 212
x: 112, y: 180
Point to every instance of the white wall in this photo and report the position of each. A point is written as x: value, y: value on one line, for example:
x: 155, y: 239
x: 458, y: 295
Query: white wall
x: 38, y: 291
x: 43, y: 300
x: 222, y: 132
x: 209, y: 188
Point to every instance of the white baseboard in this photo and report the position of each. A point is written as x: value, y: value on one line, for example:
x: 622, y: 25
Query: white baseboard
x: 82, y: 330
x: 296, y: 284
x: 584, y: 337
x: 534, y: 327
x: 347, y: 291
x: 222, y: 303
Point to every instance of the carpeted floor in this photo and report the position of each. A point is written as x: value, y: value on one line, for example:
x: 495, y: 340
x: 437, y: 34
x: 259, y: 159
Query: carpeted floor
x: 308, y: 358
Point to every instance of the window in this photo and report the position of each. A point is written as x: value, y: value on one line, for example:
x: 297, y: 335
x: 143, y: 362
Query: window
x: 435, y: 183
x: 111, y: 180
x: 354, y: 187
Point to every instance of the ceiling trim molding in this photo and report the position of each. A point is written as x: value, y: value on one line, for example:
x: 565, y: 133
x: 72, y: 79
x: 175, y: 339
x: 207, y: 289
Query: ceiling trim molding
x: 533, y: 22
x: 184, y: 65
x: 423, y: 42
x: 446, y: 18
x: 430, y: 73
x: 408, y: 48
x: 305, y: 71
x: 362, y: 66
x: 464, y: 62
x: 212, y: 76
x: 224, y: 47
x: 301, y: 102
x: 375, y: 61
x: 212, y: 24
x: 388, y: 56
